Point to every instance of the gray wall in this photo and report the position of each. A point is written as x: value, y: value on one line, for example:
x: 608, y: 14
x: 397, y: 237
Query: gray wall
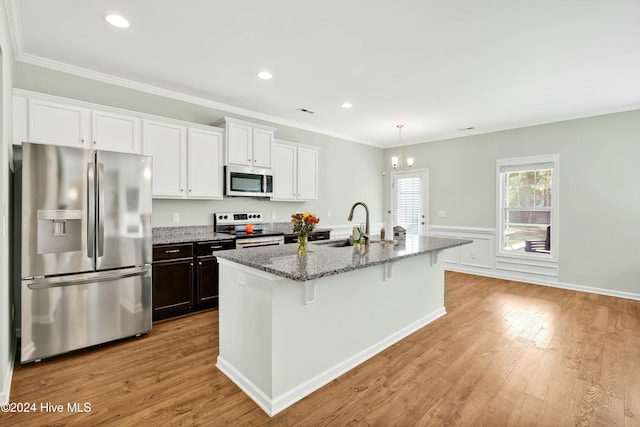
x: 599, y: 190
x: 340, y: 185
x: 599, y: 201
x: 7, y: 339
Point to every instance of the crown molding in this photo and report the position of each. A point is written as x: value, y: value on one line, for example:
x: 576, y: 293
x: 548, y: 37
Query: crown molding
x: 15, y: 26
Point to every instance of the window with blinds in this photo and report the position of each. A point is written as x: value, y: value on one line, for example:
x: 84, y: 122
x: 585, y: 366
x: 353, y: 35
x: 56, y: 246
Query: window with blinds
x: 527, y: 204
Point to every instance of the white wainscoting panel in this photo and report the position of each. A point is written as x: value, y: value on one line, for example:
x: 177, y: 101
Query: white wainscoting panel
x: 477, y: 255
x: 480, y: 258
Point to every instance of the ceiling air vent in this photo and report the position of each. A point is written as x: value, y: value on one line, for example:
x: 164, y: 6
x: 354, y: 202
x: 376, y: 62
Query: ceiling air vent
x: 304, y: 110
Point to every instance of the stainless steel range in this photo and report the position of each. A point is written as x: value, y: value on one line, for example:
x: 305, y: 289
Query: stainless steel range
x: 248, y: 229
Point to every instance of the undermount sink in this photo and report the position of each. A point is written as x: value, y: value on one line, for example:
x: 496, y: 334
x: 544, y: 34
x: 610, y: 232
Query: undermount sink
x: 337, y: 243
x: 334, y: 243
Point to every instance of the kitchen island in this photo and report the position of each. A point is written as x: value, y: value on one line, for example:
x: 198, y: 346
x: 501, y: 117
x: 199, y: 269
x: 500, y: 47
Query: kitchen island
x: 291, y: 324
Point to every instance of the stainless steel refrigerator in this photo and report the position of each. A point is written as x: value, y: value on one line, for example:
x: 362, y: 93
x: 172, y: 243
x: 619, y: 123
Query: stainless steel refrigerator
x: 85, y: 248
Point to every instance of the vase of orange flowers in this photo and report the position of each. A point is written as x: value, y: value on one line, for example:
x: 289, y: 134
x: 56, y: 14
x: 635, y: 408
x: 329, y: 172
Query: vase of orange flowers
x: 303, y: 224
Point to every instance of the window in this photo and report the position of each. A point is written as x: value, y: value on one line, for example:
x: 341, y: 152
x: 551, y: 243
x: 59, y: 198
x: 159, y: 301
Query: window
x: 528, y: 189
x: 409, y: 194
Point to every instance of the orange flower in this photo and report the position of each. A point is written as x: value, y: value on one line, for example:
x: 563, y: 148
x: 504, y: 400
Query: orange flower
x: 303, y: 223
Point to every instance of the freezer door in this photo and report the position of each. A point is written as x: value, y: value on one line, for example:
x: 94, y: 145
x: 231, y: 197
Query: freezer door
x: 123, y: 224
x: 68, y: 313
x: 54, y: 218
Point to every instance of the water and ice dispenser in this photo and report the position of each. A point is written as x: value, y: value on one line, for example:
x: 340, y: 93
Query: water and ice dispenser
x: 59, y: 230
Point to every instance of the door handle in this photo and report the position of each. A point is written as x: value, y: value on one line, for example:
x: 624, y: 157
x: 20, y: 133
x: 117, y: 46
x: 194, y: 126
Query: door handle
x: 100, y: 209
x: 91, y: 206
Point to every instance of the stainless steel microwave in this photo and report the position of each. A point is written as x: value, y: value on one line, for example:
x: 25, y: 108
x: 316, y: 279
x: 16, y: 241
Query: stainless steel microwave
x: 247, y: 181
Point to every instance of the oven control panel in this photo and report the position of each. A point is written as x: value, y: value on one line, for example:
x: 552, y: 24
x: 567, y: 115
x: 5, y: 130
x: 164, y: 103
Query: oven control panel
x: 226, y: 218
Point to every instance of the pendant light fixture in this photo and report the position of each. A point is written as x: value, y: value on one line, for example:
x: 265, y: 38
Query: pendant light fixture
x: 396, y: 161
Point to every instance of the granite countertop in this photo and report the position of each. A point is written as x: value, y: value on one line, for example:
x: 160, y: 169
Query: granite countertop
x: 324, y: 259
x: 201, y: 233
x: 197, y: 233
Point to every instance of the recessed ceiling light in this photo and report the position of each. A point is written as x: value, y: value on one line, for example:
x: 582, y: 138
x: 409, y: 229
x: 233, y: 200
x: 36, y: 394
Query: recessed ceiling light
x: 346, y: 105
x: 117, y: 21
x: 265, y: 75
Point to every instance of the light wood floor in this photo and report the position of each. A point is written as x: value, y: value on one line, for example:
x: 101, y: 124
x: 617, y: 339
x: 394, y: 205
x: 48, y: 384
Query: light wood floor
x: 506, y: 353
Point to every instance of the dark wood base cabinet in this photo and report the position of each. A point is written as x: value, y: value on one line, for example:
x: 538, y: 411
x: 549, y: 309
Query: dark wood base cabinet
x: 207, y: 277
x: 178, y: 287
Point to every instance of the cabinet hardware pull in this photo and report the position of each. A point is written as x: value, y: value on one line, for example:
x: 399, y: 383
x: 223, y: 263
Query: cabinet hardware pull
x: 200, y: 263
x: 216, y: 247
x: 173, y: 251
x: 94, y: 143
x: 82, y: 140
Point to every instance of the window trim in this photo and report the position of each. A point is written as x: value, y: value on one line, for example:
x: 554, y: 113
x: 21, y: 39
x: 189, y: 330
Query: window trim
x: 555, y: 206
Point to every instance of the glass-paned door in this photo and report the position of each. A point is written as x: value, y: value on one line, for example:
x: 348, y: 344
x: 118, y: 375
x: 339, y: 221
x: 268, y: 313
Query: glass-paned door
x: 410, y: 202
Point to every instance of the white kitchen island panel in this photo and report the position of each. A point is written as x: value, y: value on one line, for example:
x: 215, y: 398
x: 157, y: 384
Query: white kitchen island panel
x: 279, y: 349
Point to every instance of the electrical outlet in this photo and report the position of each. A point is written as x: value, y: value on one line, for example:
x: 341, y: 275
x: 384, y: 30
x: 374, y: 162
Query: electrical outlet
x: 328, y: 214
x: 273, y: 214
x: 176, y: 217
x: 442, y: 214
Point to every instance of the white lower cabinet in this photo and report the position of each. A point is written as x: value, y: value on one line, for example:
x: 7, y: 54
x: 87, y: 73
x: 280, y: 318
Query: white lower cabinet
x: 187, y: 162
x: 295, y: 170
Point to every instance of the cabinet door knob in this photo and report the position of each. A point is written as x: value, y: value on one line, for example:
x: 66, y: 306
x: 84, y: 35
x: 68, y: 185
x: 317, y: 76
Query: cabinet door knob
x: 82, y: 140
x: 182, y: 190
x: 200, y: 263
x: 94, y: 143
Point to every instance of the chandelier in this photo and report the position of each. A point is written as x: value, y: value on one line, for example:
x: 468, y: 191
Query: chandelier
x: 396, y: 161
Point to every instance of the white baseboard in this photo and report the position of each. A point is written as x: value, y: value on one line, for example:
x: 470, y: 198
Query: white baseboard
x: 551, y: 283
x: 278, y: 403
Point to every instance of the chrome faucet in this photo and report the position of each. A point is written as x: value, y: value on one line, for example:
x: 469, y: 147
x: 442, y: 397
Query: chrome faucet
x: 366, y: 226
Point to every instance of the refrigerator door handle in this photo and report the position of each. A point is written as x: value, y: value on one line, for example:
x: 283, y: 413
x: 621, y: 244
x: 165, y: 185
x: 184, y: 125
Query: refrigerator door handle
x: 91, y: 213
x: 82, y: 279
x: 100, y: 210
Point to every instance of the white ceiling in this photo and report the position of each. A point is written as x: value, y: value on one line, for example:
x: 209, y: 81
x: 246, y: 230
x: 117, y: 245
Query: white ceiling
x: 435, y: 66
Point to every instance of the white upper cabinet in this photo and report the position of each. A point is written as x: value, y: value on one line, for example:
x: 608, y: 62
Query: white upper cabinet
x: 187, y: 161
x: 47, y: 120
x: 116, y: 132
x: 284, y: 172
x: 246, y: 143
x: 59, y: 124
x: 204, y: 163
x: 167, y: 144
x: 295, y: 172
x: 262, y: 141
x: 238, y: 143
x: 20, y: 120
x: 307, y: 165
